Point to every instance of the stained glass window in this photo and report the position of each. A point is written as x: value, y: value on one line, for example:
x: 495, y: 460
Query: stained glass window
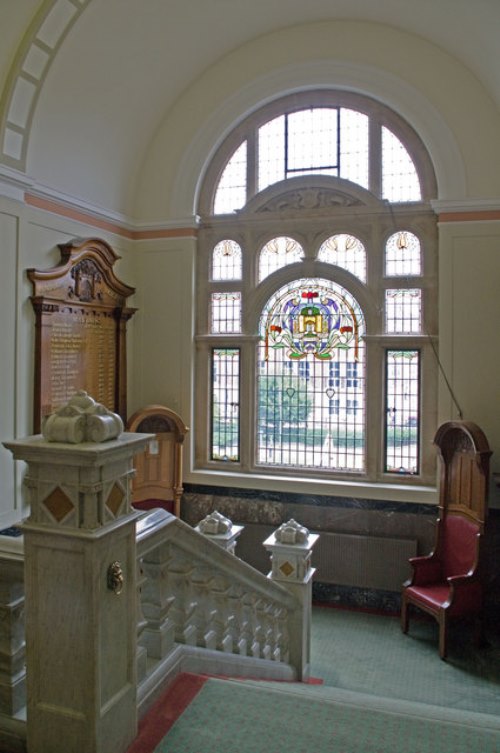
x: 226, y: 313
x: 311, y: 378
x: 345, y: 251
x: 403, y: 311
x: 402, y: 411
x: 225, y: 407
x: 305, y: 284
x: 402, y: 255
x: 278, y: 253
x: 226, y: 261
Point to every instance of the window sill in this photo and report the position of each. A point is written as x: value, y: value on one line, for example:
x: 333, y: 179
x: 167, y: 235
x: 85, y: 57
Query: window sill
x: 393, y: 492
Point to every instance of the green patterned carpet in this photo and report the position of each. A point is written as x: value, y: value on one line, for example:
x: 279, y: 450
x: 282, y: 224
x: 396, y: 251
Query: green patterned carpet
x: 369, y: 654
x: 384, y: 693
x: 239, y: 717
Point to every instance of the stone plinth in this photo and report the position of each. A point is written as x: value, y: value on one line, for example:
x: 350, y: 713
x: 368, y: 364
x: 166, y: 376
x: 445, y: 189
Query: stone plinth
x: 291, y: 548
x: 81, y: 594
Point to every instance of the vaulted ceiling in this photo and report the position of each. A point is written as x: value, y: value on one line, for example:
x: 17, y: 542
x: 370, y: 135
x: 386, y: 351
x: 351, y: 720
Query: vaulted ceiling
x: 103, y: 75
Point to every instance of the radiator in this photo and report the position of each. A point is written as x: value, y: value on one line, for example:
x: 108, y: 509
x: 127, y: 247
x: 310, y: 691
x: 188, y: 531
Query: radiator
x: 377, y: 562
x: 364, y: 561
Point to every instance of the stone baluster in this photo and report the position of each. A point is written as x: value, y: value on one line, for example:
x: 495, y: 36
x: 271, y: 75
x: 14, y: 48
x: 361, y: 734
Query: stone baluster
x: 291, y: 548
x: 205, y: 613
x: 142, y: 653
x: 184, y: 606
x: 12, y: 642
x: 157, y: 599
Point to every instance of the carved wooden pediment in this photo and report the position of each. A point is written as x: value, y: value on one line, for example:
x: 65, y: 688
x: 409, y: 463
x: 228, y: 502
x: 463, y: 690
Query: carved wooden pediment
x: 80, y: 337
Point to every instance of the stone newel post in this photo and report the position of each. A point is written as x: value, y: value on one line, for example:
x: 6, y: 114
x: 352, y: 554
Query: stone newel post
x: 80, y: 582
x: 291, y: 548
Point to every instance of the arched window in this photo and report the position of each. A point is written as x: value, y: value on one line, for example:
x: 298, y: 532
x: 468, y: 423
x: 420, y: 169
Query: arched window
x: 316, y: 296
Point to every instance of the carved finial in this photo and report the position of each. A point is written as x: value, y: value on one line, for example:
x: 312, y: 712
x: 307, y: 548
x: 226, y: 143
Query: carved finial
x: 82, y: 419
x: 292, y: 533
x: 215, y: 524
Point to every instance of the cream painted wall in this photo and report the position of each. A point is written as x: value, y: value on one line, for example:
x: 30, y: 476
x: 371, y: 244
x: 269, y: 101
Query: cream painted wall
x: 445, y: 109
x: 164, y: 333
x: 470, y: 324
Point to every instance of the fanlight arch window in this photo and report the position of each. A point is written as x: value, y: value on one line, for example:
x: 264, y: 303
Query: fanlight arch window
x: 316, y: 305
x: 342, y: 142
x: 226, y: 261
x: 278, y: 253
x: 345, y: 251
x: 403, y: 255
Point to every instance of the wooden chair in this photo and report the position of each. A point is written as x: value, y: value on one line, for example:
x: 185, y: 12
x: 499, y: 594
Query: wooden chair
x: 158, y: 478
x: 447, y: 583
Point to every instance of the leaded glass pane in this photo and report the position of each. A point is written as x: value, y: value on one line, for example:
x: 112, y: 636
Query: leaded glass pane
x: 345, y: 251
x: 231, y: 192
x: 312, y: 140
x: 226, y: 313
x: 402, y: 411
x: 271, y: 141
x: 225, y: 406
x: 278, y: 253
x: 226, y: 261
x: 354, y: 146
x: 403, y: 311
x: 402, y: 255
x: 311, y: 378
x: 399, y: 177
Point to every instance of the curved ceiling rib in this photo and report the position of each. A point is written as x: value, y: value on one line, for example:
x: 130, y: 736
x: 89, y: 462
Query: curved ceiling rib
x: 27, y: 74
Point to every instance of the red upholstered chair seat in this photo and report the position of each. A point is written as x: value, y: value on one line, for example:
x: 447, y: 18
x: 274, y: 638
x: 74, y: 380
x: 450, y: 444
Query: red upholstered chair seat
x: 446, y: 583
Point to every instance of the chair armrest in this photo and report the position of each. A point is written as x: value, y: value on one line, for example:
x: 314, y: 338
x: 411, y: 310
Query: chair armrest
x: 425, y: 570
x: 465, y: 592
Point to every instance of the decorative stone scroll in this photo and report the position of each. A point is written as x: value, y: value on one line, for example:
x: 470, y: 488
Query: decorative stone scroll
x: 80, y: 340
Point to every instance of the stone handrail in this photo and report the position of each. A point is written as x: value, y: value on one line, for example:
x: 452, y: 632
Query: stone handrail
x: 197, y: 595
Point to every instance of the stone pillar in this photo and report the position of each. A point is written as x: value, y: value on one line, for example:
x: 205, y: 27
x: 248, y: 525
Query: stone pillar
x: 81, y: 592
x: 291, y: 548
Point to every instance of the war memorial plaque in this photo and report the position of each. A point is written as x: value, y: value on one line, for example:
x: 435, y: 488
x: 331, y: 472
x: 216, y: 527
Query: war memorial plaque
x: 80, y: 341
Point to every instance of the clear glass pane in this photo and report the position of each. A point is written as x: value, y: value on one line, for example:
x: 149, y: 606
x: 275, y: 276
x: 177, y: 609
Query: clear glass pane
x: 345, y: 251
x: 311, y: 378
x: 399, y: 177
x: 271, y: 141
x: 403, y: 311
x: 312, y: 139
x: 354, y: 147
x: 226, y: 261
x: 278, y: 253
x: 402, y: 255
x: 402, y: 411
x: 226, y: 313
x: 231, y: 192
x: 225, y: 408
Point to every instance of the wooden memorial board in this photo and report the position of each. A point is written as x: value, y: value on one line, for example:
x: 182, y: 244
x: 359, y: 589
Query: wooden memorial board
x: 80, y: 340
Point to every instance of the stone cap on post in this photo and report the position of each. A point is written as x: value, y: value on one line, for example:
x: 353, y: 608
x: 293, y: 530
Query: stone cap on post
x: 220, y: 530
x: 291, y: 547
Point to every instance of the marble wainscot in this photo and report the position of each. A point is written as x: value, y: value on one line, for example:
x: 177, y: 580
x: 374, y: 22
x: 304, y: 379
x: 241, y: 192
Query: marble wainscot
x: 408, y: 526
x: 80, y: 581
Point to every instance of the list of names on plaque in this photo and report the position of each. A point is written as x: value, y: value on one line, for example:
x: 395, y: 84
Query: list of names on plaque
x: 81, y: 354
